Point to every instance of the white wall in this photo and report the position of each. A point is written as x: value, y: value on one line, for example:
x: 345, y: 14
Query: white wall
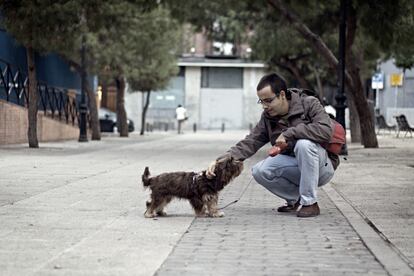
x: 396, y: 100
x: 247, y: 110
x: 391, y: 112
x: 192, y: 95
x: 251, y: 110
x: 220, y: 106
x: 133, y: 106
x: 245, y: 113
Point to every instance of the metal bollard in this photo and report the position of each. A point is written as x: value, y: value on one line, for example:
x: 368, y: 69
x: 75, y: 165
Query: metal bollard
x: 223, y: 127
x: 194, y: 127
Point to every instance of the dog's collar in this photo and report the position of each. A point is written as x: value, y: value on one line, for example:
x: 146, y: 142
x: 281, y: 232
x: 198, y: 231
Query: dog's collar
x: 195, y: 177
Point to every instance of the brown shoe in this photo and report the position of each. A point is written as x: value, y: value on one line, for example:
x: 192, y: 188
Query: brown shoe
x: 289, y: 208
x: 309, y: 211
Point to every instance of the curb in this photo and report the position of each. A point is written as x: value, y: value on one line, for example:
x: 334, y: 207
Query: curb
x: 379, y: 246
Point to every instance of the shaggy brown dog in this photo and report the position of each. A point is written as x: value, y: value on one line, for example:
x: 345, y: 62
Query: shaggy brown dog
x: 201, y: 191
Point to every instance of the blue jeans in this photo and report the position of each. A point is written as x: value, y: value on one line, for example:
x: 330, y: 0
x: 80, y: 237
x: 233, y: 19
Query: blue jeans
x: 293, y: 177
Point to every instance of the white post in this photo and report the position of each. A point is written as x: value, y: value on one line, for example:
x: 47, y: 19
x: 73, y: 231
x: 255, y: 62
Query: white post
x: 403, y: 90
x: 395, y: 100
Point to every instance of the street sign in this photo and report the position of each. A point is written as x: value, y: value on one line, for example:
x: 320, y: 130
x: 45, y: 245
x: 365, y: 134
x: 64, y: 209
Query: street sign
x: 377, y: 81
x: 396, y: 79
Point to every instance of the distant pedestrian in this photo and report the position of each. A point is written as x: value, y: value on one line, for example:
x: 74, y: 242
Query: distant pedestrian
x: 181, y: 116
x: 299, y: 127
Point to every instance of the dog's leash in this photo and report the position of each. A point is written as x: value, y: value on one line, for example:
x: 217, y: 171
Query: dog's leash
x: 235, y: 201
x: 242, y: 193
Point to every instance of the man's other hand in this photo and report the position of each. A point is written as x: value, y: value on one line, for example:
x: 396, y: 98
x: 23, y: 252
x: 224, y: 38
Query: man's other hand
x: 273, y: 151
x: 280, y: 140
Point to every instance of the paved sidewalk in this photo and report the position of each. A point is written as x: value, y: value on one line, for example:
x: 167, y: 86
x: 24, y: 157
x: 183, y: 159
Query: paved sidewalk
x: 77, y: 209
x: 379, y: 185
x: 253, y: 239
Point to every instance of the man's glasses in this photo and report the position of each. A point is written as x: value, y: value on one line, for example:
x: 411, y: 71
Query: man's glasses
x: 266, y: 101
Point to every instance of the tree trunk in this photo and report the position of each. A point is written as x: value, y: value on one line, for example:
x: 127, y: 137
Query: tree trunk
x: 121, y: 116
x: 290, y: 65
x: 354, y: 124
x: 364, y: 128
x: 93, y: 114
x: 144, y: 113
x: 314, y: 40
x: 319, y: 85
x: 32, y: 90
x: 93, y: 107
x: 369, y: 137
x: 104, y: 84
x: 366, y: 120
x: 293, y: 67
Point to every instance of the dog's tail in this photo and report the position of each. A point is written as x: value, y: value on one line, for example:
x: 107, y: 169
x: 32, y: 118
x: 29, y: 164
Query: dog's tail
x: 145, y: 177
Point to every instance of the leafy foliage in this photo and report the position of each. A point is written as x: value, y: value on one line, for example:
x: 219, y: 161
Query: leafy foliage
x: 133, y: 39
x: 390, y: 24
x: 403, y: 44
x: 154, y: 58
x: 223, y: 21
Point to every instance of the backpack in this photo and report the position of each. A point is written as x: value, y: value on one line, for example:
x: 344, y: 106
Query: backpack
x: 338, y: 137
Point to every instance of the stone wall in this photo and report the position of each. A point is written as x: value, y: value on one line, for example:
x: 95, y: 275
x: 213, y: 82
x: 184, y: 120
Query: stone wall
x: 14, y: 124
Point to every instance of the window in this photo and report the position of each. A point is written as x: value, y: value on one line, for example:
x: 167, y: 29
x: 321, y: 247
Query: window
x: 217, y: 77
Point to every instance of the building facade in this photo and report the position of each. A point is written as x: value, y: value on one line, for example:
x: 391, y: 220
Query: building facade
x: 397, y: 95
x: 217, y: 92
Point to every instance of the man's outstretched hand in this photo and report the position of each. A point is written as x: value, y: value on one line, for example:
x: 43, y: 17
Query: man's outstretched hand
x: 210, y: 170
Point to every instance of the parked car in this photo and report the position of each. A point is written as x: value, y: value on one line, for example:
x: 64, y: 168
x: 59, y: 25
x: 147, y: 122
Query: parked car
x: 107, y: 121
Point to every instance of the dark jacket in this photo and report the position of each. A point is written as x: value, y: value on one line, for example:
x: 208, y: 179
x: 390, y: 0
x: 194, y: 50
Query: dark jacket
x: 306, y: 119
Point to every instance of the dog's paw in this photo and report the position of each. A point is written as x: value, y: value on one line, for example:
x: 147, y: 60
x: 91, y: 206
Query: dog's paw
x: 149, y: 215
x: 218, y: 214
x: 162, y: 213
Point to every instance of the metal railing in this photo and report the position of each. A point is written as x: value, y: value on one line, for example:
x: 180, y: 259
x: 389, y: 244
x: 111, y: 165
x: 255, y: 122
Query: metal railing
x: 53, y: 101
x: 13, y: 84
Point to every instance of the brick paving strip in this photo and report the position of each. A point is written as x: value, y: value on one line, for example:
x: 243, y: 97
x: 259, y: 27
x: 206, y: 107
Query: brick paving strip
x: 253, y: 239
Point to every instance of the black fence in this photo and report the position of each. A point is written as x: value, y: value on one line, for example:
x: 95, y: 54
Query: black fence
x: 54, y: 102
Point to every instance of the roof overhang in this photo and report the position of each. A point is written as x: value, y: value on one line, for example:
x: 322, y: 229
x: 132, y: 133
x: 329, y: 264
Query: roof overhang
x: 220, y: 63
